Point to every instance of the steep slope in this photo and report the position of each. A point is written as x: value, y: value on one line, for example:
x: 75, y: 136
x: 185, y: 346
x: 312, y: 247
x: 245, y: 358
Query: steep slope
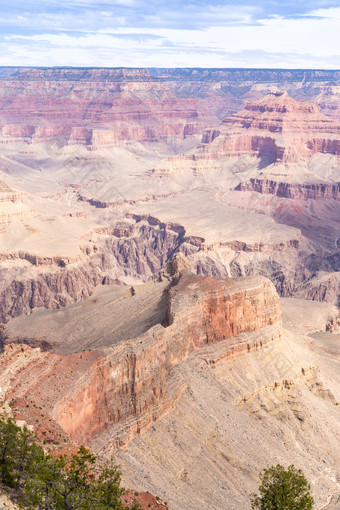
x: 238, y: 418
x: 275, y: 135
x: 277, y: 158
x: 138, y: 374
x: 93, y: 107
x: 103, y: 107
x: 200, y: 403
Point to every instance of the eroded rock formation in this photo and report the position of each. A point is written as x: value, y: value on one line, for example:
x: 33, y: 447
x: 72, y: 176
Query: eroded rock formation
x: 103, y: 107
x: 122, y: 390
x: 321, y: 191
x: 11, y: 206
x: 187, y: 367
x: 276, y: 128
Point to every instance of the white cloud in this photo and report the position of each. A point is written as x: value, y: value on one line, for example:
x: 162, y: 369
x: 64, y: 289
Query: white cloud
x: 273, y: 42
x: 331, y: 13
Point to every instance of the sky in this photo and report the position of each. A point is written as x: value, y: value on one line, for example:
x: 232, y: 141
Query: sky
x: 291, y: 34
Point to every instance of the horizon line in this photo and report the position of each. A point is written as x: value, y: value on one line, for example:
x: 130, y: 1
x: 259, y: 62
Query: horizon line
x: 175, y: 67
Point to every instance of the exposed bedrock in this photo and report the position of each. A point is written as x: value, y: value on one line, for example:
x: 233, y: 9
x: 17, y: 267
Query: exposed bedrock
x: 102, y: 107
x: 317, y: 191
x: 122, y: 256
x: 123, y: 390
x: 274, y: 128
x: 130, y: 253
x: 96, y: 108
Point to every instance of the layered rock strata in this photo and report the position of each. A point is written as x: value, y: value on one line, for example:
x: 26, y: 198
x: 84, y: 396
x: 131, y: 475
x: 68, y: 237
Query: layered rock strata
x: 93, y: 107
x: 275, y: 128
x: 11, y: 206
x: 103, y: 107
x: 317, y: 191
x: 119, y: 392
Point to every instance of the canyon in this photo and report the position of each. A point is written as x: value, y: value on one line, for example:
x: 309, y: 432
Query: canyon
x: 170, y: 272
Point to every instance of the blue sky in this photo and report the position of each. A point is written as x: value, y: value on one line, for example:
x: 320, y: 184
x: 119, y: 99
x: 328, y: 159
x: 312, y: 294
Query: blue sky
x: 196, y: 33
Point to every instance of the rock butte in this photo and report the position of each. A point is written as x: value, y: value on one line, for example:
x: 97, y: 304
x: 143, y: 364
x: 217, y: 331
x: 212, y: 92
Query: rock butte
x: 107, y: 174
x: 137, y: 375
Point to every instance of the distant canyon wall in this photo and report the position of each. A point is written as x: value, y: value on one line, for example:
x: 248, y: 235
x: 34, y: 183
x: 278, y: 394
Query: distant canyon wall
x: 301, y: 191
x: 104, y: 107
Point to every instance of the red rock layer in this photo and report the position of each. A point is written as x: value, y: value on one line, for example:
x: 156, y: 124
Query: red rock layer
x: 115, y: 395
x: 94, y: 107
x: 138, y: 383
x: 276, y: 127
x: 279, y: 113
x: 139, y: 104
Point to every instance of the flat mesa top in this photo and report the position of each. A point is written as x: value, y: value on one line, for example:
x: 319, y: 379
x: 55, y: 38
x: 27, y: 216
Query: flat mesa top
x: 112, y: 314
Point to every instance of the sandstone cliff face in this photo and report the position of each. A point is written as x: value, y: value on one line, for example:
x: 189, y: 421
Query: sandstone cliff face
x: 138, y: 382
x: 277, y: 128
x: 291, y: 190
x: 231, y: 401
x: 120, y: 392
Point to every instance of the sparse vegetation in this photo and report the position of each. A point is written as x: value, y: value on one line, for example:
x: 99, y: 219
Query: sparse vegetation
x: 41, y: 482
x: 3, y: 337
x: 283, y: 489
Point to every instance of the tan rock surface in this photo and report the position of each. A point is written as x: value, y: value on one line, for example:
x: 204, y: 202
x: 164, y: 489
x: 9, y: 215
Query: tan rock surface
x: 265, y: 409
x: 200, y: 411
x: 133, y: 383
x: 80, y: 237
x: 6, y: 503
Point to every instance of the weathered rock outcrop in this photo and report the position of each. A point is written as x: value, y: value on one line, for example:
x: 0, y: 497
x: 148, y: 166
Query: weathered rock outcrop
x: 276, y: 128
x: 117, y: 394
x: 126, y: 252
x: 292, y: 190
x: 102, y: 107
x: 138, y: 382
x: 93, y: 107
x: 239, y: 417
x: 11, y: 205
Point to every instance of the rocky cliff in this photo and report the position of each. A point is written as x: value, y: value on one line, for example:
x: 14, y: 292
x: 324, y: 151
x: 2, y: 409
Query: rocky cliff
x: 103, y: 107
x: 317, y: 191
x: 120, y: 391
x: 188, y: 392
x: 189, y: 367
x: 276, y: 127
x: 93, y: 107
x: 124, y: 253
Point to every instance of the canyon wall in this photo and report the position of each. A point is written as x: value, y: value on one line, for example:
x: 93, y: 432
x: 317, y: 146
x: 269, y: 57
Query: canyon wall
x: 116, y: 394
x: 103, y: 107
x: 94, y: 107
x: 138, y: 383
x: 275, y: 128
x: 126, y: 251
x: 321, y: 191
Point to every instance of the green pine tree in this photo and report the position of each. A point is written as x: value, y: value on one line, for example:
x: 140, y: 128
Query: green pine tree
x: 78, y: 482
x: 283, y: 489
